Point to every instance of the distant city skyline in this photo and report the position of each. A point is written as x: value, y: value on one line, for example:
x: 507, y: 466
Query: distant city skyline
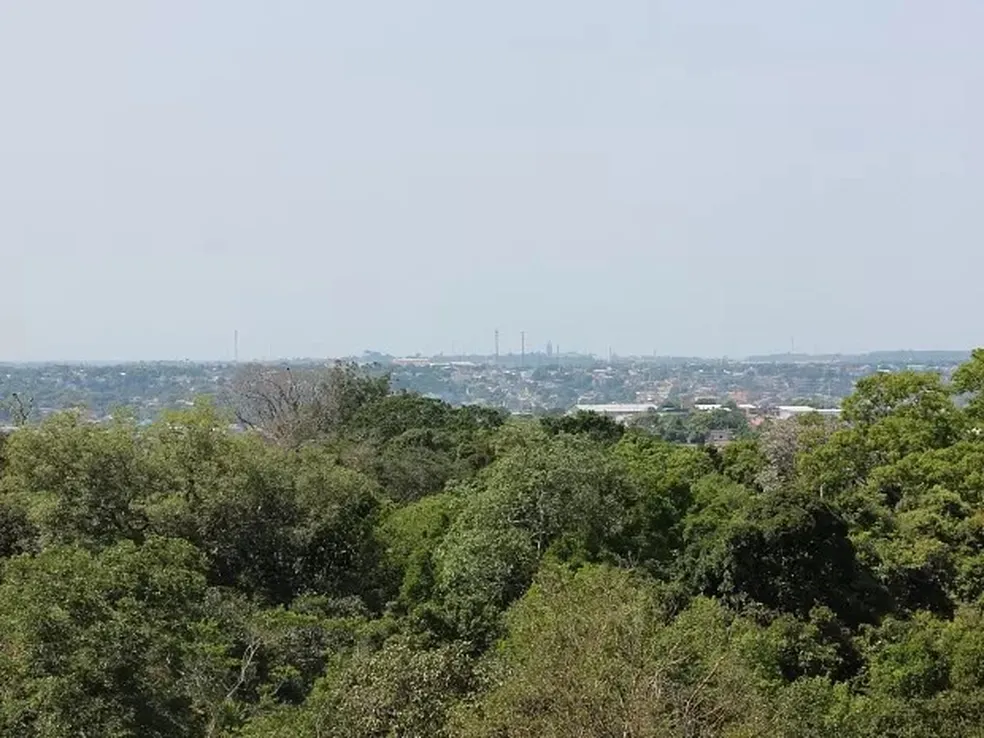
x: 625, y: 387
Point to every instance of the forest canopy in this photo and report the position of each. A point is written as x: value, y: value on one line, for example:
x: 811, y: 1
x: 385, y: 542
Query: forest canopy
x: 361, y: 562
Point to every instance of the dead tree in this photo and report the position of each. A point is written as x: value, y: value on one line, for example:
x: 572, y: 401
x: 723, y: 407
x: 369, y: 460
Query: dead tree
x: 291, y: 406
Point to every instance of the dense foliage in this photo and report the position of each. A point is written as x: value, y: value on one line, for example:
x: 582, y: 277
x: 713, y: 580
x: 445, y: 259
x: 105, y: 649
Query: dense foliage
x: 371, y: 563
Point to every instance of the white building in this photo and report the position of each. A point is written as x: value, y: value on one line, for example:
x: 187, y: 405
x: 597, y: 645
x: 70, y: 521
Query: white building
x: 617, y: 410
x: 707, y: 407
x: 788, y: 411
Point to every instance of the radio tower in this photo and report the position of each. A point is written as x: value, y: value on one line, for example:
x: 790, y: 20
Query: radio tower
x: 496, y: 345
x: 522, y: 348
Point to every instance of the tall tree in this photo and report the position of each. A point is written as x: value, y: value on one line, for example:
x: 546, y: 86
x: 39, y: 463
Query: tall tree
x: 291, y: 406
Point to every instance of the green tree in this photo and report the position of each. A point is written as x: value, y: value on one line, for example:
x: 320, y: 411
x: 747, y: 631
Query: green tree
x: 98, y: 644
x: 744, y: 461
x: 409, y: 537
x: 17, y: 534
x: 79, y: 482
x: 594, y: 425
x: 415, y: 445
x: 334, y: 535
x: 661, y: 478
x: 597, y: 653
x: 897, y: 414
x: 401, y: 689
x: 788, y: 551
x: 969, y: 379
x: 233, y: 497
x: 724, y: 418
x: 273, y: 523
x: 559, y: 492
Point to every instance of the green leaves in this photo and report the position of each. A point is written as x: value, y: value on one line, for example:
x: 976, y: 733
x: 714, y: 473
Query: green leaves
x: 400, y: 689
x: 415, y: 445
x: 79, y: 482
x: 532, y: 497
x: 659, y: 488
x: 969, y: 379
x: 595, y: 426
x: 598, y: 653
x: 787, y: 551
x: 97, y: 643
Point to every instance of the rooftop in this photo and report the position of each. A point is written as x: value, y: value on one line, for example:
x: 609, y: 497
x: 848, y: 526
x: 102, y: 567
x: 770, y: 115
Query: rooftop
x: 616, y: 408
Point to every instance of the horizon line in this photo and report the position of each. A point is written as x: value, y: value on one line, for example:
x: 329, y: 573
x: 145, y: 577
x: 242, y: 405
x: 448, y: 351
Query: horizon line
x: 489, y: 356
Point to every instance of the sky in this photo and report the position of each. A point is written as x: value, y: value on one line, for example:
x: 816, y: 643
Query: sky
x: 710, y: 178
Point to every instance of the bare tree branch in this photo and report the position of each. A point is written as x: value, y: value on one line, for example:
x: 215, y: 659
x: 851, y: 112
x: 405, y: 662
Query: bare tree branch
x: 293, y: 406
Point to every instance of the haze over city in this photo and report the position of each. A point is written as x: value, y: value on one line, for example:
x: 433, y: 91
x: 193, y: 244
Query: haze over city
x: 707, y: 178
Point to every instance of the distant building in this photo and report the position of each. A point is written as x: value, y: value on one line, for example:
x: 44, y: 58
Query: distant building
x: 616, y: 410
x: 784, y: 412
x: 706, y: 407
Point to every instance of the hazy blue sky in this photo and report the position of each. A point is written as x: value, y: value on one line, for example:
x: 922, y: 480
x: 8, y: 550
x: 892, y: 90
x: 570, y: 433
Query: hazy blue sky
x: 688, y: 176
